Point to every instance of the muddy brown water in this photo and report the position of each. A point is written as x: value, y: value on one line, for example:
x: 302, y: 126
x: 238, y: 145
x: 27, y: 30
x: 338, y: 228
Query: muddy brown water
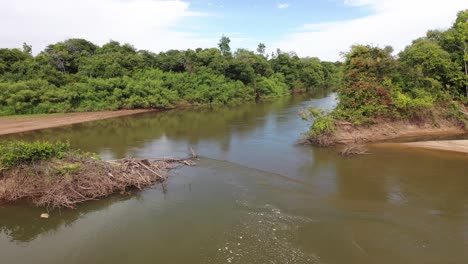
x: 255, y: 197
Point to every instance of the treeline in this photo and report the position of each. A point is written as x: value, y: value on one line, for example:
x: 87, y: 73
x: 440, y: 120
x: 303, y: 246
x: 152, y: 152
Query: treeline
x: 428, y: 79
x: 77, y: 75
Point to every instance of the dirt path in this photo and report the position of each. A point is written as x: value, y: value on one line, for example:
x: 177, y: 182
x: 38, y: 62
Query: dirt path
x: 17, y: 124
x: 460, y: 146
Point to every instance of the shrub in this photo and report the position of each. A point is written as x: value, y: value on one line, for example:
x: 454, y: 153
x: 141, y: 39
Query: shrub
x: 413, y: 106
x: 20, y: 152
x: 323, y: 122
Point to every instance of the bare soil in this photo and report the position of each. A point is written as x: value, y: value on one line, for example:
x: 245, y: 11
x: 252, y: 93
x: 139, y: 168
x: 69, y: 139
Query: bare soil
x: 389, y: 130
x: 17, y: 124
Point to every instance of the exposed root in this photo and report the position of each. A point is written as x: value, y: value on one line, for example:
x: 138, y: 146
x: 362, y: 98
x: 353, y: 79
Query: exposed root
x: 76, y: 179
x: 325, y: 140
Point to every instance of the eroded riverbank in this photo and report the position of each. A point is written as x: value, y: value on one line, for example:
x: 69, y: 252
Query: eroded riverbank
x: 384, y: 131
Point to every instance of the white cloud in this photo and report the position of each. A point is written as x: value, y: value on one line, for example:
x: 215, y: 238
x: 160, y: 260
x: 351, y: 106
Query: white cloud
x: 394, y: 22
x: 282, y: 5
x: 147, y: 24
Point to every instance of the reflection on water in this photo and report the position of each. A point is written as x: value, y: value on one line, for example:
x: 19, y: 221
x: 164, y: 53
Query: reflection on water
x: 255, y: 197
x: 21, y: 222
x: 119, y: 136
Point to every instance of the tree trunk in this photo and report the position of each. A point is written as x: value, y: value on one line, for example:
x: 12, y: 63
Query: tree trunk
x: 466, y: 79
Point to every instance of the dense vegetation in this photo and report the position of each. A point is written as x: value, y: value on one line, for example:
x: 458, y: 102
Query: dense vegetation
x: 428, y: 78
x: 20, y: 152
x: 77, y: 75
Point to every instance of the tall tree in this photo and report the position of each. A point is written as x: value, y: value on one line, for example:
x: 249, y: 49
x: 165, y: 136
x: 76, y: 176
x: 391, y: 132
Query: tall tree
x: 223, y: 45
x: 27, y: 48
x: 261, y: 49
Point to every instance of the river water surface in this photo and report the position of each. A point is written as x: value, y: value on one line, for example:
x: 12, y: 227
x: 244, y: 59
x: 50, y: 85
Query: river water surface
x: 255, y: 196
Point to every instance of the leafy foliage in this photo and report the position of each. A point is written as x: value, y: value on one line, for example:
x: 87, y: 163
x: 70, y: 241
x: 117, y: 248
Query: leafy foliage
x: 428, y: 75
x: 77, y: 75
x: 323, y: 121
x: 20, y: 152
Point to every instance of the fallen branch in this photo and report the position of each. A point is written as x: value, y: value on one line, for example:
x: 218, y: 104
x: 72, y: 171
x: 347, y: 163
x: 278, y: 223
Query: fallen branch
x: 354, y: 149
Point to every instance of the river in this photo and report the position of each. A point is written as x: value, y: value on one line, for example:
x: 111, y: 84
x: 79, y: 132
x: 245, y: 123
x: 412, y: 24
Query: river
x: 255, y: 196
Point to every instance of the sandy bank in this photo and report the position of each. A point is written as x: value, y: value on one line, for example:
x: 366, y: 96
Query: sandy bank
x: 460, y: 146
x: 17, y: 124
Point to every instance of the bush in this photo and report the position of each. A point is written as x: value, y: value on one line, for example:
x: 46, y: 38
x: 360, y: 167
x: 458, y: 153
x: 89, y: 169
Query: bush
x: 20, y: 152
x: 323, y: 122
x: 413, y: 106
x: 272, y: 86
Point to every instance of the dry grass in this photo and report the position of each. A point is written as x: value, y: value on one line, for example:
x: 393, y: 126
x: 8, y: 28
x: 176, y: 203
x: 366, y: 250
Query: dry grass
x: 67, y: 182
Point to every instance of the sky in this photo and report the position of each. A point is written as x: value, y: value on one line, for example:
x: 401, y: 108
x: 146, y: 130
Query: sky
x: 316, y: 28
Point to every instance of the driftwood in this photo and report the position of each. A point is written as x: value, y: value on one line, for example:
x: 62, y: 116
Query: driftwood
x: 354, y: 149
x: 76, y: 179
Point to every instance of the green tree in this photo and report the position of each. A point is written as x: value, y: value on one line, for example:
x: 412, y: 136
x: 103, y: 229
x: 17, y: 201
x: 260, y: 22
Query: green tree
x: 27, y: 48
x: 312, y: 73
x: 261, y: 49
x: 454, y: 41
x: 290, y: 66
x: 427, y: 65
x: 65, y: 56
x: 367, y: 83
x: 461, y: 36
x: 223, y: 45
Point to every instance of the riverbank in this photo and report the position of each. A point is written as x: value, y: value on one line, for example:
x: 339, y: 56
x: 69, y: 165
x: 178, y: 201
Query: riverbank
x: 384, y: 131
x: 18, y: 124
x: 53, y: 175
x: 347, y: 133
x: 460, y: 146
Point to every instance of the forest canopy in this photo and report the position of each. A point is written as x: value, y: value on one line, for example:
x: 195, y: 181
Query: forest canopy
x: 78, y: 75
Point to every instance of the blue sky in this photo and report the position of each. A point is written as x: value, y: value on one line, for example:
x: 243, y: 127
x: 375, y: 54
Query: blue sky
x: 321, y: 28
x: 265, y: 20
